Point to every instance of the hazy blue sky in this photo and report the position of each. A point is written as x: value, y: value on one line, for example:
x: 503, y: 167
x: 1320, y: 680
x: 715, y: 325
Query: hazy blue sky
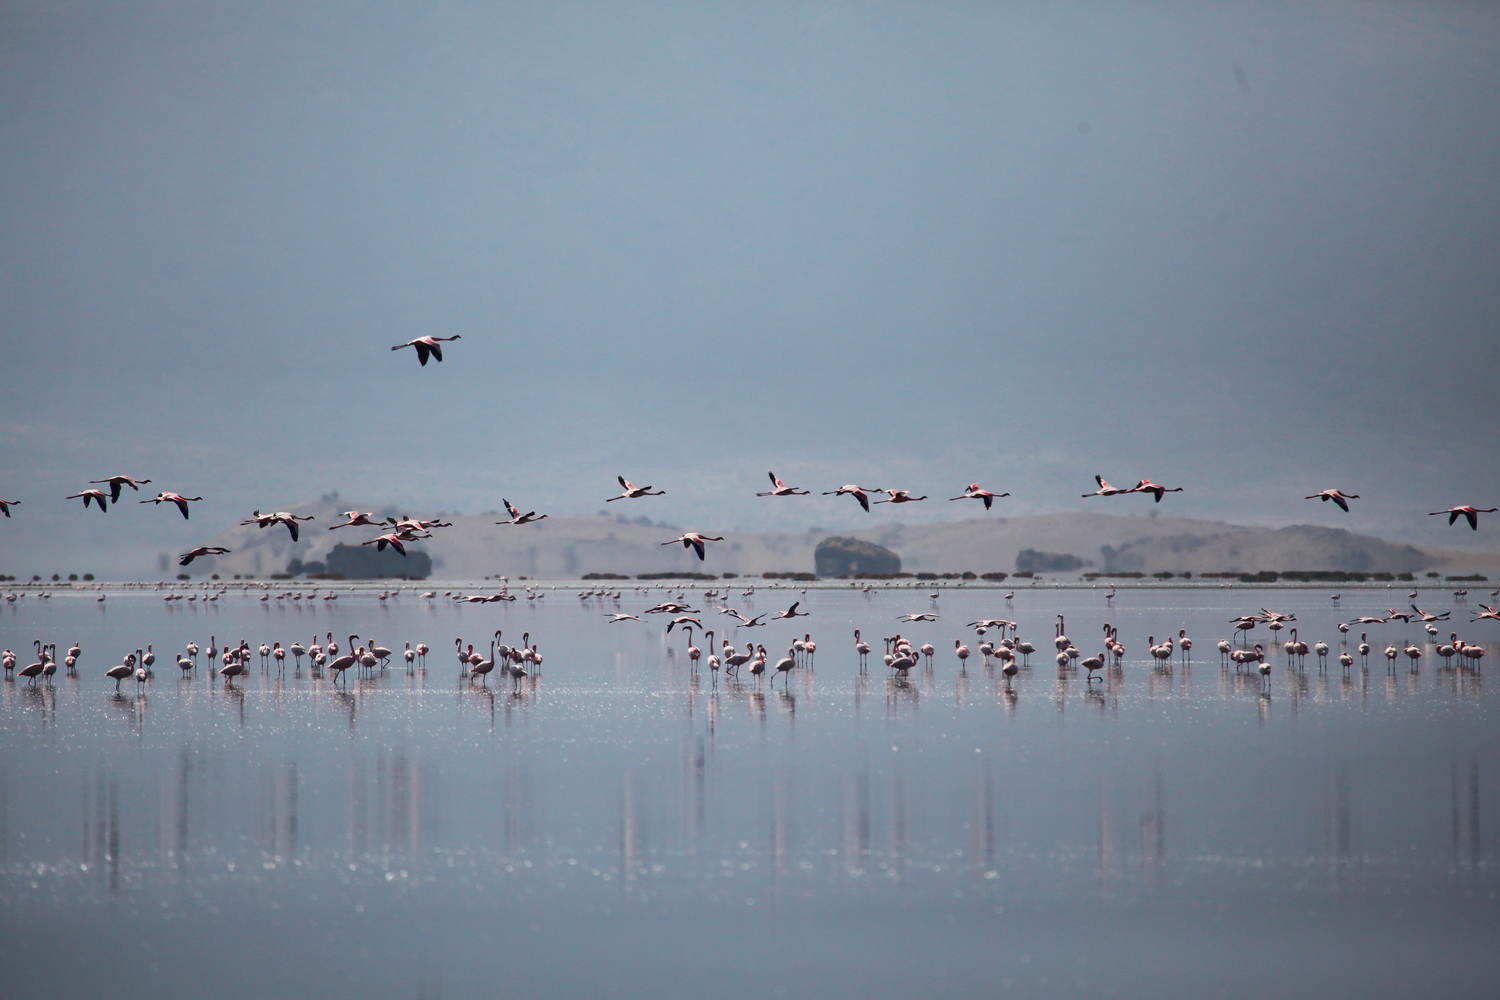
x: 1252, y: 249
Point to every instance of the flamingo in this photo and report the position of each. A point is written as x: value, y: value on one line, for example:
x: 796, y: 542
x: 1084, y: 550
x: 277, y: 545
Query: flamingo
x: 785, y: 664
x: 780, y: 489
x: 1106, y: 490
x: 962, y: 652
x: 1471, y: 514
x: 177, y: 498
x: 280, y: 517
x: 860, y: 493
x: 918, y: 617
x: 1147, y: 486
x: 1337, y: 496
x: 354, y: 518
x: 1092, y: 664
x: 516, y: 517
x: 392, y: 539
x: 202, y: 550
x: 732, y: 660
x: 862, y: 648
x: 631, y: 491
x: 121, y: 671
x: 116, y: 482
x: 96, y: 496
x: 790, y: 612
x: 900, y: 496
x: 341, y: 663
x: 973, y: 492
x: 381, y: 653
x: 6, y: 505
x: 427, y: 347
x: 693, y: 540
x: 409, y: 655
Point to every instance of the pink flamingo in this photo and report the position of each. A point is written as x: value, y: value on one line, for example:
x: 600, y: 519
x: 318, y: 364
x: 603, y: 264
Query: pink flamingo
x: 631, y: 491
x: 356, y: 519
x: 1337, y: 496
x: 280, y: 517
x: 516, y: 517
x: 202, y: 550
x: 177, y: 498
x: 427, y: 347
x: 693, y: 540
x: 95, y: 496
x: 860, y: 493
x: 1106, y: 490
x: 1147, y: 486
x: 973, y: 492
x: 116, y: 482
x: 1471, y: 514
x: 392, y: 539
x: 780, y: 489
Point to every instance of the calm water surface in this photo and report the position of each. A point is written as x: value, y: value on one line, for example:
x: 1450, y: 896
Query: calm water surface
x: 623, y: 826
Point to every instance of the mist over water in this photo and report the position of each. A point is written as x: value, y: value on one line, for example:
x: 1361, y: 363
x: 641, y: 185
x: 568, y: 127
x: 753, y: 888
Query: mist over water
x: 619, y: 824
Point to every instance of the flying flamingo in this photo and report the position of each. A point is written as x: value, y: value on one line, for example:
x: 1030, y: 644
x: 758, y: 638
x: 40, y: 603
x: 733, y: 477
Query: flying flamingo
x: 426, y: 347
x: 1147, y: 486
x: 6, y: 505
x: 202, y: 550
x: 96, y: 496
x: 693, y: 540
x: 280, y: 517
x: 1106, y: 490
x: 393, y: 540
x: 900, y: 496
x: 116, y: 482
x: 632, y: 491
x: 1467, y: 512
x: 973, y: 492
x: 356, y: 519
x: 1337, y: 496
x: 516, y: 517
x: 790, y: 612
x: 177, y: 498
x: 860, y: 493
x: 780, y: 489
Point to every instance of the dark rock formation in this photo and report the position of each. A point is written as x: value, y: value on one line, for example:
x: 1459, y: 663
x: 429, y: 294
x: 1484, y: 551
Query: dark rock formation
x: 1032, y: 561
x: 359, y: 562
x: 838, y: 556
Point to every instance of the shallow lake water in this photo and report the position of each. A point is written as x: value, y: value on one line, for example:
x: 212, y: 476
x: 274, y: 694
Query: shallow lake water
x: 619, y: 824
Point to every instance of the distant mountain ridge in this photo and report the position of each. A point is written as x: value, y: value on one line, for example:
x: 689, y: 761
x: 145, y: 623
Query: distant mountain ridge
x: 568, y: 547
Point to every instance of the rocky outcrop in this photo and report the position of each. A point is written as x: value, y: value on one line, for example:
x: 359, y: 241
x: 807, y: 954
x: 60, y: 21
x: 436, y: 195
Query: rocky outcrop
x: 842, y: 556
